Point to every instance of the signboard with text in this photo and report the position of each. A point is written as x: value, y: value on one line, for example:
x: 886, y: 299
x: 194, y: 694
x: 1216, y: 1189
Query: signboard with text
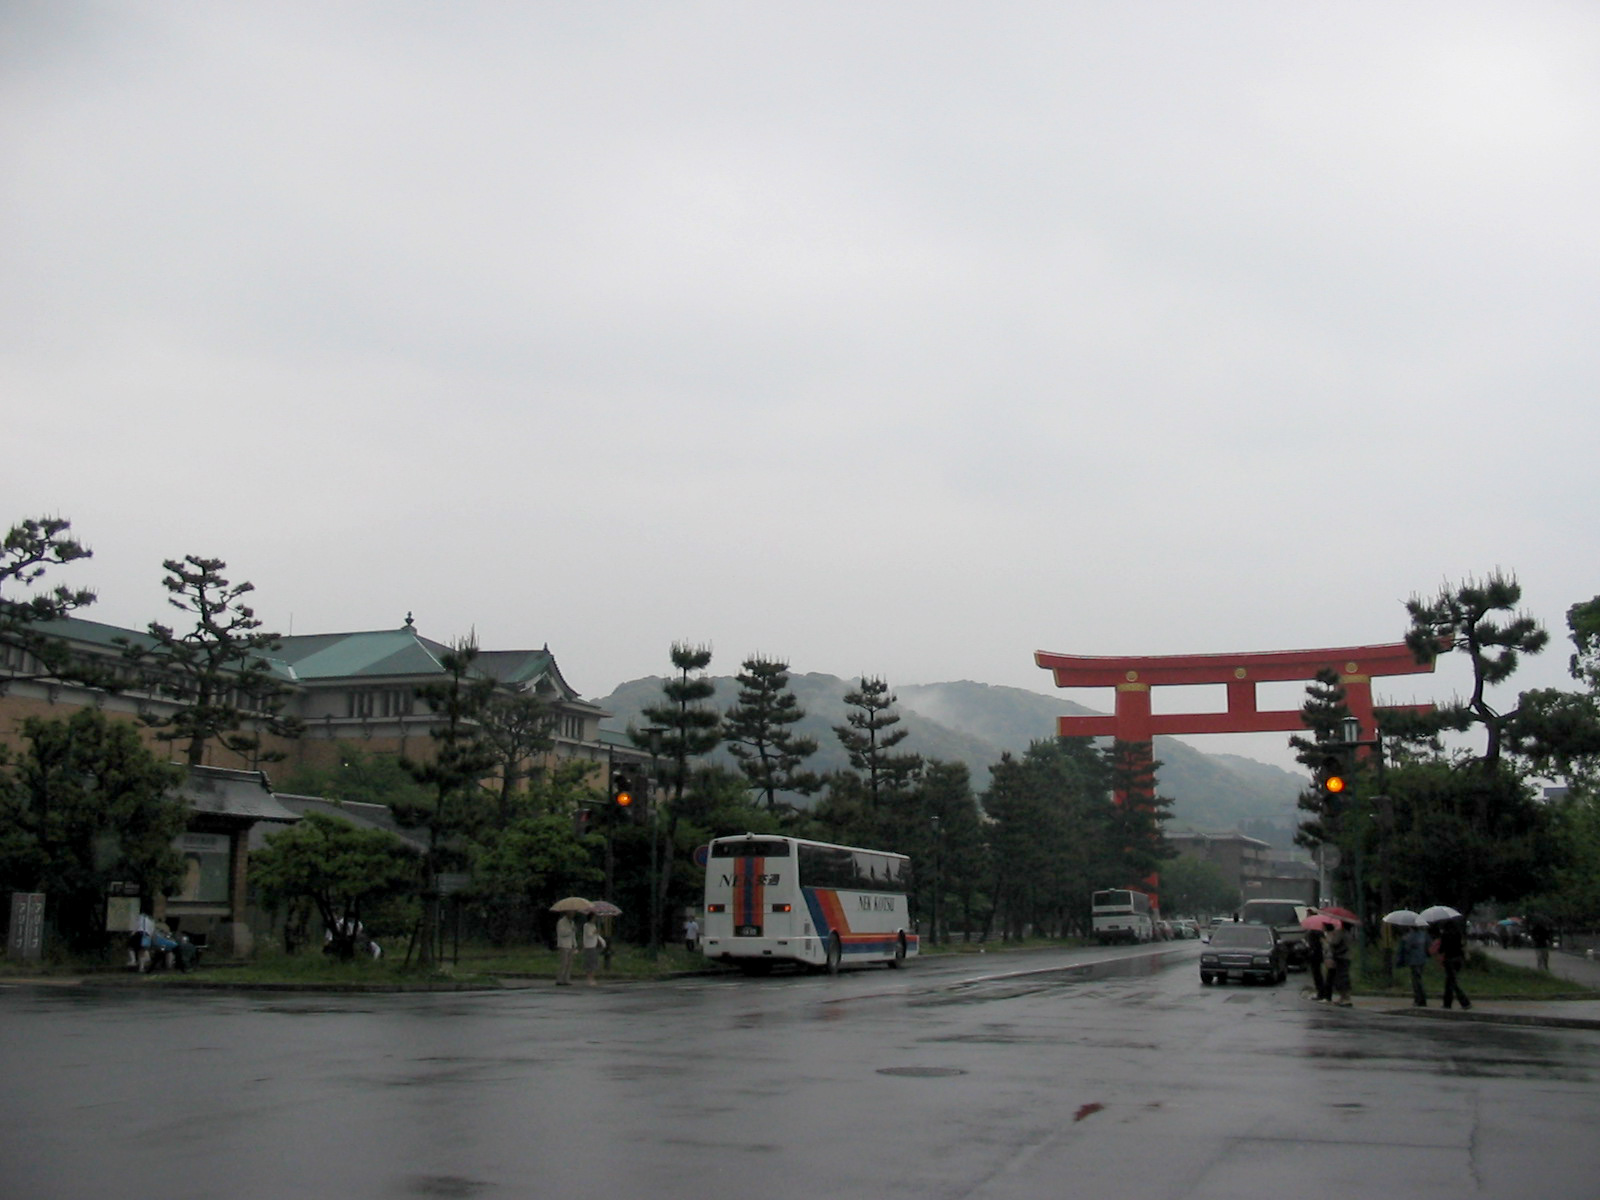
x: 26, y: 938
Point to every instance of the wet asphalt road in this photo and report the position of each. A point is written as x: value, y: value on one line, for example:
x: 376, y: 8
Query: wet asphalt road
x: 966, y: 1078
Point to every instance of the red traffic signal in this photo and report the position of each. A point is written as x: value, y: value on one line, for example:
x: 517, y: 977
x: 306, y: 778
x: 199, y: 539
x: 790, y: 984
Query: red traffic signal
x: 622, y: 790
x: 1331, y: 777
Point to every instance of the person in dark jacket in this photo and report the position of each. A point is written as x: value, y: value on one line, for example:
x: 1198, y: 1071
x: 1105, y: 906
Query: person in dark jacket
x: 1314, y: 953
x: 1452, y: 956
x: 1413, y: 953
x: 1336, y: 951
x: 1539, y: 934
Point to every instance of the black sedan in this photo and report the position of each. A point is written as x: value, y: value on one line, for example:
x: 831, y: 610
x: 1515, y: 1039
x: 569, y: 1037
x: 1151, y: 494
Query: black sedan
x: 1245, y: 951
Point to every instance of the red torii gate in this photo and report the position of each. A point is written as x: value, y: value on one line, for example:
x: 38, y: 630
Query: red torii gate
x: 1133, y: 677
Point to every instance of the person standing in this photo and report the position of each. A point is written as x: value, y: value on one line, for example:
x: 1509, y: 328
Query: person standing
x: 1413, y: 953
x: 1453, y: 955
x: 593, y: 943
x: 566, y: 946
x: 1337, y: 962
x: 1540, y: 933
x: 1315, y: 949
x: 691, y: 933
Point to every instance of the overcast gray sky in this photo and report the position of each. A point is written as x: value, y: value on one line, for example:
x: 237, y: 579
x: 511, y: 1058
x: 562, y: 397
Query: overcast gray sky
x: 904, y: 339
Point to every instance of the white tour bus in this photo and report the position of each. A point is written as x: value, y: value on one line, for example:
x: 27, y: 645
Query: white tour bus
x: 782, y: 899
x: 1123, y: 915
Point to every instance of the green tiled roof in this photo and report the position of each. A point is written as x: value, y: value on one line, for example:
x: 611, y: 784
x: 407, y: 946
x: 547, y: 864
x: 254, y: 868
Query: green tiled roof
x: 347, y: 655
x: 371, y: 654
x: 111, y: 637
x: 516, y: 666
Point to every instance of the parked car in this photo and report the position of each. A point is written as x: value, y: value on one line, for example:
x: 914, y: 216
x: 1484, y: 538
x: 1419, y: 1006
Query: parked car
x: 1185, y: 929
x: 1246, y: 952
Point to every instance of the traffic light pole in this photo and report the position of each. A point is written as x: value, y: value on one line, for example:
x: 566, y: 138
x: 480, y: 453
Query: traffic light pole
x: 1350, y: 742
x: 650, y: 790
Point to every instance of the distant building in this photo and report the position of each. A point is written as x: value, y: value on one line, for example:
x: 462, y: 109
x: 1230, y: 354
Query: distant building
x: 226, y: 806
x: 1238, y: 857
x: 349, y: 690
x: 1247, y: 863
x: 353, y: 688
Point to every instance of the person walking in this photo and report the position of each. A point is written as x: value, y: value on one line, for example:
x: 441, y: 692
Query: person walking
x: 1453, y: 955
x: 691, y: 933
x: 1539, y: 932
x: 566, y: 946
x: 1315, y: 949
x: 1413, y: 953
x: 593, y: 943
x: 1337, y: 962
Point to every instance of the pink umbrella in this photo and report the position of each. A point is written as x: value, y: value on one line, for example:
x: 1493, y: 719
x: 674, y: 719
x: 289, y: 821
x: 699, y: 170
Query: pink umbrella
x: 1342, y: 914
x: 1318, y: 921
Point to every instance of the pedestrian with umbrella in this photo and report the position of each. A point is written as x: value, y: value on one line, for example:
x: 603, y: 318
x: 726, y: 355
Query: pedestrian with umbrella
x: 567, y: 936
x: 1451, y: 949
x: 593, y: 943
x: 1316, y: 926
x: 1413, y: 950
x: 1336, y: 953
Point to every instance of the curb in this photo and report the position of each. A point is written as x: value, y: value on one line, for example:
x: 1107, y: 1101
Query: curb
x: 1489, y: 1016
x: 1478, y: 1013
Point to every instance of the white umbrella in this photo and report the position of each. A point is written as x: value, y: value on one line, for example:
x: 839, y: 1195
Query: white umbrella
x: 1439, y: 912
x: 1403, y: 916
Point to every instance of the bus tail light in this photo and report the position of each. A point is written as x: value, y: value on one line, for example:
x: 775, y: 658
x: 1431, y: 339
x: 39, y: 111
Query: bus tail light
x: 711, y: 908
x: 783, y: 908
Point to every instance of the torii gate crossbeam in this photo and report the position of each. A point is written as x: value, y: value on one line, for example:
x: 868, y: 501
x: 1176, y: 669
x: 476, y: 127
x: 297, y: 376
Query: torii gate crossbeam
x: 1134, y: 676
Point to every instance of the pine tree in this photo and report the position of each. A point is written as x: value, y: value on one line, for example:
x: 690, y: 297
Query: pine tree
x: 681, y: 728
x: 759, y: 733
x: 869, y: 738
x: 461, y: 760
x: 217, y: 673
x: 30, y: 549
x: 516, y: 727
x: 1323, y: 715
x: 1478, y: 617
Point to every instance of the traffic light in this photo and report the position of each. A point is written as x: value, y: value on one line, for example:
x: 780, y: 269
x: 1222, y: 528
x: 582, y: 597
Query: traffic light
x: 1331, y: 777
x: 623, y: 796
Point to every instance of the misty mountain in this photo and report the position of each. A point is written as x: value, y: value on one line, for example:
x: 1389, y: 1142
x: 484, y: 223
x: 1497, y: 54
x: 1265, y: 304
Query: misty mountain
x: 974, y: 723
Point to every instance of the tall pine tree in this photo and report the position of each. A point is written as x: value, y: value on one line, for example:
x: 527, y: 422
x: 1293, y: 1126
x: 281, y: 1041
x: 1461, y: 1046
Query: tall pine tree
x: 216, y: 674
x: 461, y: 760
x: 869, y: 737
x: 760, y: 734
x: 682, y: 728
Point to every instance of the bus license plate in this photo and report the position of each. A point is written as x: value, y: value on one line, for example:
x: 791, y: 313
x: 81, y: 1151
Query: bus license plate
x: 747, y: 931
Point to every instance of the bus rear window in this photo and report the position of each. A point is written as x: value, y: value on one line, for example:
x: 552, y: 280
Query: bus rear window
x: 750, y: 848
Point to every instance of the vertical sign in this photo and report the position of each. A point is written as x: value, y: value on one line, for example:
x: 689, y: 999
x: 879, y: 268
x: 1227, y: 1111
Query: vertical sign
x: 26, y: 940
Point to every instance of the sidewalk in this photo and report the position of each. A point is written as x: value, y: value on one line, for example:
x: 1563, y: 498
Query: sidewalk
x: 1569, y: 1014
